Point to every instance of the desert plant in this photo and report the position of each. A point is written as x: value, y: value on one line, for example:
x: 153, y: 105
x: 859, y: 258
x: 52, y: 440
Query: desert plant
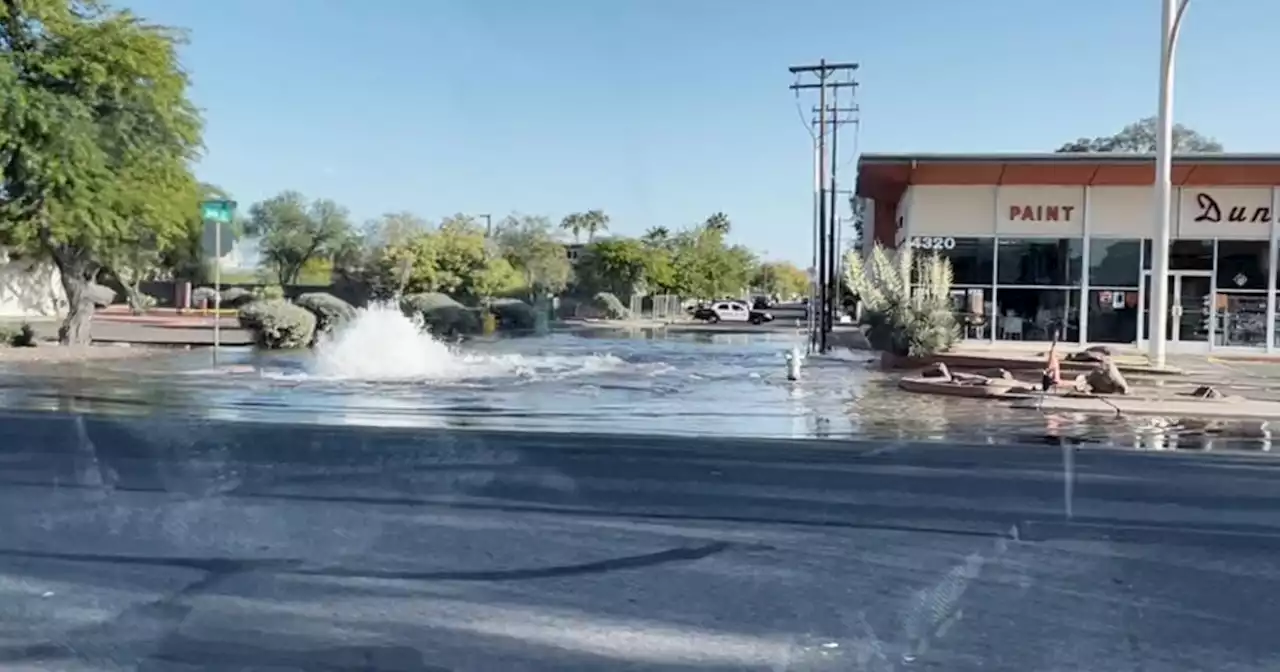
x: 204, y: 297
x: 278, y: 324
x: 235, y: 297
x: 610, y: 306
x: 140, y: 303
x: 101, y: 295
x: 268, y: 292
x: 441, y: 314
x: 330, y: 311
x: 906, y: 301
x: 23, y: 336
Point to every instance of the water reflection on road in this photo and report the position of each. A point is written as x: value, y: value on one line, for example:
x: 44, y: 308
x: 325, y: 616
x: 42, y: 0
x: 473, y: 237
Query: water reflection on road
x: 723, y: 384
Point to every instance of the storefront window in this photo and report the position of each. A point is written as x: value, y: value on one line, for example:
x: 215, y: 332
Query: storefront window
x: 1184, y: 255
x: 1113, y: 290
x: 1242, y: 265
x: 1040, y: 262
x: 1036, y: 295
x: 1240, y: 307
x: 1037, y: 314
x: 972, y: 263
x: 1114, y: 263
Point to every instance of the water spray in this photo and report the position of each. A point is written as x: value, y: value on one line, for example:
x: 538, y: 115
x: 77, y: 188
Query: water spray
x: 795, y: 359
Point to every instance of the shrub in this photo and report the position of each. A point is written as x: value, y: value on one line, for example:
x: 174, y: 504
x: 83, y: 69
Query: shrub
x: 514, y: 314
x: 101, y: 295
x: 236, y: 297
x: 204, y: 296
x: 141, y: 303
x: 330, y: 311
x: 610, y: 306
x: 268, y: 292
x: 278, y: 324
x: 906, y: 301
x: 23, y: 336
x: 442, y: 315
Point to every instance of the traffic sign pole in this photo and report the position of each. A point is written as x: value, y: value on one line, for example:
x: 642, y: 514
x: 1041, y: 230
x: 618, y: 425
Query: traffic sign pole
x: 218, y: 213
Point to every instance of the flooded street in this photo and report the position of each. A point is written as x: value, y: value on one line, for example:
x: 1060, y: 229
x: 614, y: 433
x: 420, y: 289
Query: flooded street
x: 383, y: 373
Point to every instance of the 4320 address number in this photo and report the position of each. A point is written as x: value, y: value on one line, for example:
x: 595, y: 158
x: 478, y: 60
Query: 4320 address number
x: 933, y: 243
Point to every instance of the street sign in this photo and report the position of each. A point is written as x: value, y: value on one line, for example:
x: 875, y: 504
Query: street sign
x: 220, y: 211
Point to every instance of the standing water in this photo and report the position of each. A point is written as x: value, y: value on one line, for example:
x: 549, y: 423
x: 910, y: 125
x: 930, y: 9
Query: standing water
x: 383, y: 370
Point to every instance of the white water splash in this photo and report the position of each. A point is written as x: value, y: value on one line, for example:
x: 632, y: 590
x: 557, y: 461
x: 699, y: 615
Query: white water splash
x: 382, y: 345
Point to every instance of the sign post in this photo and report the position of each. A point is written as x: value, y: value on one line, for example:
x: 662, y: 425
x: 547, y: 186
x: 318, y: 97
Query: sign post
x: 217, y: 213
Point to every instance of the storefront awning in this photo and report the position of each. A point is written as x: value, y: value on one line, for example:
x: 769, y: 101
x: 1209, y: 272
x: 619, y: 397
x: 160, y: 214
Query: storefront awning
x: 886, y: 176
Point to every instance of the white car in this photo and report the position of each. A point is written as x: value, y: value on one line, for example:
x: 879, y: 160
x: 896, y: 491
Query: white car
x: 731, y: 311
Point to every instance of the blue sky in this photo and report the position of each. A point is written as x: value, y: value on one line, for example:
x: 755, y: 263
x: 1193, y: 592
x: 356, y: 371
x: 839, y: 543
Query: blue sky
x: 661, y: 112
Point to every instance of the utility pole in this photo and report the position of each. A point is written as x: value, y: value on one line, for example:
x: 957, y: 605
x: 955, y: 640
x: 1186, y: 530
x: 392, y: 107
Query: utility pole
x: 836, y: 116
x: 826, y: 225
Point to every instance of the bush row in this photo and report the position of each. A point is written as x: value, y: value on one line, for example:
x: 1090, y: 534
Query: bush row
x: 279, y: 324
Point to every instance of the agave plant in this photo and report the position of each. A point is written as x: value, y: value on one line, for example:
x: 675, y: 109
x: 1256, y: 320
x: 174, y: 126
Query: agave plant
x: 906, y: 300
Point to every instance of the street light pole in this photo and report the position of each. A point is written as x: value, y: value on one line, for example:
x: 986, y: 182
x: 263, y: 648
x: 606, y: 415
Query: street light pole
x: 1170, y: 20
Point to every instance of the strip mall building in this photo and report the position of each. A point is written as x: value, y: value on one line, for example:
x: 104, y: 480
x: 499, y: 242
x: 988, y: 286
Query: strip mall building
x: 1063, y: 241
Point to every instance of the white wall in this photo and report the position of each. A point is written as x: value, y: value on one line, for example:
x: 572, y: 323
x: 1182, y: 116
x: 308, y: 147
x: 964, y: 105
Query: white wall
x: 29, y: 289
x: 1242, y: 213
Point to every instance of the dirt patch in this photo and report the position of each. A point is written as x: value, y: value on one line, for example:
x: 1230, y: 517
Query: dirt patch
x: 52, y: 354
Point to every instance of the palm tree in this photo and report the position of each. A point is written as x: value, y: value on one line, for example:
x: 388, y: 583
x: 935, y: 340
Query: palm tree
x: 573, y: 223
x: 719, y: 222
x: 657, y: 235
x: 594, y: 221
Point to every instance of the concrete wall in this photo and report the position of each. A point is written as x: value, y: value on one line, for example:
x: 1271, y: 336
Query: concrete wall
x: 29, y: 288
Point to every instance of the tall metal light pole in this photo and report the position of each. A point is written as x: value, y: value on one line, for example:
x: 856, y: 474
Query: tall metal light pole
x: 1170, y: 20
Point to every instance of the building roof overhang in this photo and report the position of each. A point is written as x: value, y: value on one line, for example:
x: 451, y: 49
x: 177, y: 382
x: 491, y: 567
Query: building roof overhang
x: 887, y: 176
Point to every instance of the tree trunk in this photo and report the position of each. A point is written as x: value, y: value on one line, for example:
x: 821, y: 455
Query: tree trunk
x: 76, y: 277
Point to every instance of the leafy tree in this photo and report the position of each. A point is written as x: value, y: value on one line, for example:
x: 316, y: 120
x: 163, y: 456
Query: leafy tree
x: 528, y: 244
x: 1140, y: 137
x: 719, y: 222
x: 657, y: 235
x: 781, y: 278
x: 458, y: 254
x: 703, y: 265
x: 498, y: 277
x: 619, y: 266
x: 293, y: 231
x: 96, y: 138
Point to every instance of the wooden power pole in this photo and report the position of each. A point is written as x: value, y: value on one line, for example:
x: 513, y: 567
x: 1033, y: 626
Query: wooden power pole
x: 827, y: 224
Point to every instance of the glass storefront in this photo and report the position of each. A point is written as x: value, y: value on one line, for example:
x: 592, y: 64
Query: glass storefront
x: 1038, y: 288
x: 1030, y: 289
x: 1112, y: 303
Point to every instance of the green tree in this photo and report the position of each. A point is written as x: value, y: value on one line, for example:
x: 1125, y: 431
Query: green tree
x: 293, y: 231
x: 498, y: 277
x: 527, y: 242
x: 1140, y: 137
x: 719, y: 222
x: 96, y: 139
x: 780, y: 278
x: 619, y: 266
x: 703, y: 265
x: 460, y: 255
x: 657, y: 235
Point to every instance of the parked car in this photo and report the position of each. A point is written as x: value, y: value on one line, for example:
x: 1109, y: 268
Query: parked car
x: 731, y: 311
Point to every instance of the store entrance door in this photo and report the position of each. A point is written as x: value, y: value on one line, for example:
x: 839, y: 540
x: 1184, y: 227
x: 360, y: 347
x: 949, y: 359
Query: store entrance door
x: 1190, y: 310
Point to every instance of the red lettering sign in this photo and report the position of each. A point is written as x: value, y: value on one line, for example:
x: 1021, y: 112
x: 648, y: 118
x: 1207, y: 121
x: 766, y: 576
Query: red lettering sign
x: 1041, y: 213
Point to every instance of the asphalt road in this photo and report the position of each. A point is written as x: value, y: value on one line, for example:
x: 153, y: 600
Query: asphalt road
x: 181, y: 545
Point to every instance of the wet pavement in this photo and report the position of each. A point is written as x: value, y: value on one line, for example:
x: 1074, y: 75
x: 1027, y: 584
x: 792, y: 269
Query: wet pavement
x: 137, y: 543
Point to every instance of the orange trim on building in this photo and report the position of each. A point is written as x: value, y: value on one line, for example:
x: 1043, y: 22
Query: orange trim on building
x: 886, y: 177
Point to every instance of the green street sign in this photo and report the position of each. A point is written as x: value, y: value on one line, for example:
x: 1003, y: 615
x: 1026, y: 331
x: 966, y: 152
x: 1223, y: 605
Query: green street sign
x: 222, y: 212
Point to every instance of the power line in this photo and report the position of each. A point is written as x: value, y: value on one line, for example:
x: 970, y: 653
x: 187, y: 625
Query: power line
x: 826, y: 224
